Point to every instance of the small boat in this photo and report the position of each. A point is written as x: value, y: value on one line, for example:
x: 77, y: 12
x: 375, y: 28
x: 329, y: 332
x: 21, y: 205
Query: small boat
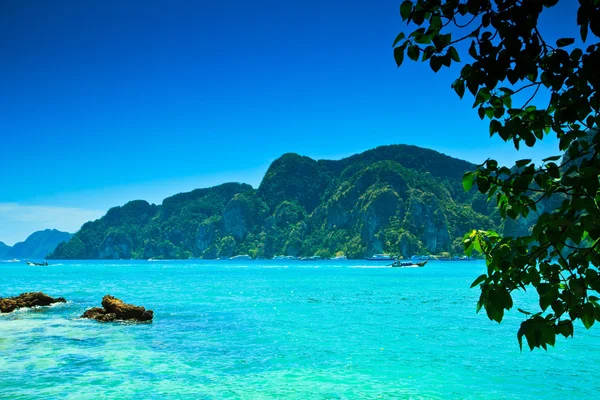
x: 241, y: 257
x: 408, y: 264
x: 380, y: 257
x: 340, y: 258
x: 313, y: 258
x: 37, y: 264
x: 285, y: 258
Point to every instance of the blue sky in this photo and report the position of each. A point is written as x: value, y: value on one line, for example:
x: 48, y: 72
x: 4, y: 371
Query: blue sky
x: 102, y: 102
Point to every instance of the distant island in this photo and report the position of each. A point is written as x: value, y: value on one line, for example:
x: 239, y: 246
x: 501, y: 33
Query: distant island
x: 395, y: 199
x: 37, y: 246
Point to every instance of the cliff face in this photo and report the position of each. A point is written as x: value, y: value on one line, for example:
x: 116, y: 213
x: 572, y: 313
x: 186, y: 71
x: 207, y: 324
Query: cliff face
x: 399, y: 199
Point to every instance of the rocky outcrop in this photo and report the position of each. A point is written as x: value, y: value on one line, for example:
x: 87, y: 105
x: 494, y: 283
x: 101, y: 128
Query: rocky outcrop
x: 99, y: 314
x: 114, y: 309
x: 28, y: 300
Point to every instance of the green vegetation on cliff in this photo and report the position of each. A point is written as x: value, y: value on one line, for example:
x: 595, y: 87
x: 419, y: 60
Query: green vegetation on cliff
x: 397, y: 199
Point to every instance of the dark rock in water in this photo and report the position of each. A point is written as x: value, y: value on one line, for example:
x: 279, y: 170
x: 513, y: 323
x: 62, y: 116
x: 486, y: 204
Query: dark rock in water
x: 99, y: 314
x: 28, y: 300
x: 125, y: 311
x: 115, y: 310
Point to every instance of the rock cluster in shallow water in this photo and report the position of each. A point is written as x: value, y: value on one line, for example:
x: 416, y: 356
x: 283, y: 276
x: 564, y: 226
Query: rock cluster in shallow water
x: 27, y: 300
x: 114, y: 309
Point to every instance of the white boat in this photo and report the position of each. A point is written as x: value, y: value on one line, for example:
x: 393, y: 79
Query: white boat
x: 380, y: 257
x: 241, y: 257
x: 340, y: 258
x: 37, y: 264
x: 313, y: 258
x: 285, y: 258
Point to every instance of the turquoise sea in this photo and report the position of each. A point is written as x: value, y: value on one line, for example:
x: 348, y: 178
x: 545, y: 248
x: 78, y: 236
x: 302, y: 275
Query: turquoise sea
x: 278, y: 330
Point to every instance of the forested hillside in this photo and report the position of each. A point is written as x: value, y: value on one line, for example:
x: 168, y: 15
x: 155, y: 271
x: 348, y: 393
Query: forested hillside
x: 398, y: 199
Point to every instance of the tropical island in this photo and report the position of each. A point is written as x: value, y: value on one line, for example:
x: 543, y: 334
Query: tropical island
x: 395, y: 199
x: 135, y: 101
x: 36, y: 246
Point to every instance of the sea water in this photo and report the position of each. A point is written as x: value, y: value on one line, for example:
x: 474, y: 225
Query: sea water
x: 278, y: 330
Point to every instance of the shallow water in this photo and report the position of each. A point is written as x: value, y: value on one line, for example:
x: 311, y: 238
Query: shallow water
x: 278, y: 329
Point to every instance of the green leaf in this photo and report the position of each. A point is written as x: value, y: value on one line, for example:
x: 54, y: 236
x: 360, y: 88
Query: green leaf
x: 498, y: 300
x: 479, y: 279
x: 547, y: 295
x: 565, y: 328
x: 399, y: 55
x: 446, y: 60
x: 522, y: 163
x: 473, y: 86
x: 583, y: 31
x: 435, y: 63
x: 481, y: 112
x: 422, y: 39
x: 435, y: 22
x: 427, y: 53
x: 453, y: 54
x: 413, y: 53
x: 398, y: 38
x: 553, y: 158
x: 459, y: 87
x: 490, y: 233
x: 483, y: 184
x: 405, y: 9
x: 588, y: 315
x: 565, y: 42
x: 473, y: 50
x: 495, y: 126
x: 468, y: 180
x: 576, y: 54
